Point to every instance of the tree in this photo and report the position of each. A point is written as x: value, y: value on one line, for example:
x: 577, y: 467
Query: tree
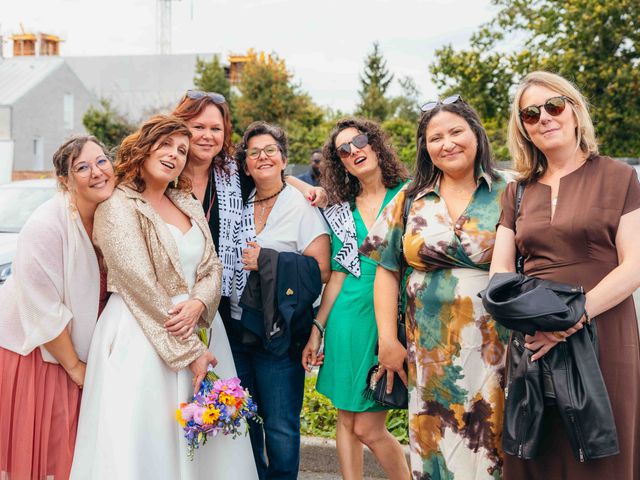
x: 107, y: 124
x: 407, y: 105
x: 211, y: 77
x: 267, y: 91
x: 402, y: 133
x: 594, y: 43
x: 375, y: 82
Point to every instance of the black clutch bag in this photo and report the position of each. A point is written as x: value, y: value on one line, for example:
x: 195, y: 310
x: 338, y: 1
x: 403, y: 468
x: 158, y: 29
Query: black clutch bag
x: 377, y: 390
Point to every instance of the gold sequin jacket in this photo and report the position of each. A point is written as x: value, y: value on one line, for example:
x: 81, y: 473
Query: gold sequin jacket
x: 143, y: 267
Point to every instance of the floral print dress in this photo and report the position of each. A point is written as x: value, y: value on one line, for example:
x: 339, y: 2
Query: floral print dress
x: 456, y: 351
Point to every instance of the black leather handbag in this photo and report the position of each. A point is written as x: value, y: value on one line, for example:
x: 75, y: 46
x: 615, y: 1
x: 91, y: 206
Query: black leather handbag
x: 377, y: 391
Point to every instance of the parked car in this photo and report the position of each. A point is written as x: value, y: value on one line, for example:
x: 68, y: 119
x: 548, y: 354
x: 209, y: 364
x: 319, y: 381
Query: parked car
x: 18, y: 200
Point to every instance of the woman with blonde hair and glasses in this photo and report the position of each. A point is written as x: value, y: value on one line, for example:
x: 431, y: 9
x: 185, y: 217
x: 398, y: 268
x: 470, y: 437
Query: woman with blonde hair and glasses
x: 577, y: 224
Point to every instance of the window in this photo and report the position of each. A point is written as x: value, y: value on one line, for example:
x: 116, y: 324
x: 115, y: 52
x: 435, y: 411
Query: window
x: 68, y: 111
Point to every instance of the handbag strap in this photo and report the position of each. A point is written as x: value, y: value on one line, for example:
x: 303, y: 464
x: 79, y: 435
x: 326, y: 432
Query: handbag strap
x: 519, y: 257
x: 408, y: 200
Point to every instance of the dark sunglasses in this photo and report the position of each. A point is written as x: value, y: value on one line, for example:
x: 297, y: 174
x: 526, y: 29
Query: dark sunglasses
x: 217, y: 98
x: 359, y: 141
x: 554, y: 106
x: 427, y: 107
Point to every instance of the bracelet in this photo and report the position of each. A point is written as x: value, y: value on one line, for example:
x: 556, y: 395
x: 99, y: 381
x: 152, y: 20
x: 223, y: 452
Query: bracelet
x: 587, y: 318
x: 320, y: 328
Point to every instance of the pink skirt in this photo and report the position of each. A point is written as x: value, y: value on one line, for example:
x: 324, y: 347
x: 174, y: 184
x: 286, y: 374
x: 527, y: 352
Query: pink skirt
x: 39, y: 406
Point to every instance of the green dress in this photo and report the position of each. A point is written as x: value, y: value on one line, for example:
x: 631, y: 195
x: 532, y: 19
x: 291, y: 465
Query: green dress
x: 351, y: 333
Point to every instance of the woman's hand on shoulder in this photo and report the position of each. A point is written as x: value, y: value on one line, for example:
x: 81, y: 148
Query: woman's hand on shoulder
x: 183, y: 318
x: 318, y: 197
x: 250, y: 256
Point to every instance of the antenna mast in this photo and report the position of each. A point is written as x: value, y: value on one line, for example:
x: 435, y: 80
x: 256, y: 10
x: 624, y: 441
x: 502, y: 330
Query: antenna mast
x: 163, y: 26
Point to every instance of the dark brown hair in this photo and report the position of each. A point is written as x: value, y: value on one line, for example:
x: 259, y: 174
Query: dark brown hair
x: 189, y: 108
x: 339, y: 184
x: 70, y: 150
x: 135, y: 149
x: 253, y: 130
x: 426, y: 173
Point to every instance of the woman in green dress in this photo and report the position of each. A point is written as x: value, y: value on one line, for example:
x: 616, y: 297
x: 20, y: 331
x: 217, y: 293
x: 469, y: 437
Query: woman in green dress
x: 361, y: 174
x: 455, y: 350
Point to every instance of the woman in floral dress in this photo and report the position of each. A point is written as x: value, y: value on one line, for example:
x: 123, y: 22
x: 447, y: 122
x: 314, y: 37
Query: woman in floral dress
x: 455, y: 350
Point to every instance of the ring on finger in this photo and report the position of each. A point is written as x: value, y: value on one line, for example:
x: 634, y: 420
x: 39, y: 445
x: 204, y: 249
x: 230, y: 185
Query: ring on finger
x: 558, y: 335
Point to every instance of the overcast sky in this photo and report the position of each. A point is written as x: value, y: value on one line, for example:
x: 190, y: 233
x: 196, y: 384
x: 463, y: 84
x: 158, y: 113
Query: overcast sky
x: 323, y: 42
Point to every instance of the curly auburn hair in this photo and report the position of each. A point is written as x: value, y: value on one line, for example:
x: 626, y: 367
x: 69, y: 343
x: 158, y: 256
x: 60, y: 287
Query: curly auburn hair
x: 189, y: 108
x: 136, y: 148
x: 339, y: 184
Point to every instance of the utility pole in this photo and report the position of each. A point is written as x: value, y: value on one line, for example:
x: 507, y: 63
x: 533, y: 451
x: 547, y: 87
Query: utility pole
x: 163, y: 26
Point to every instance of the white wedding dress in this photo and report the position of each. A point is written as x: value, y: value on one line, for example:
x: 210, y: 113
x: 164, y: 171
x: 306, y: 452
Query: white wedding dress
x: 127, y: 428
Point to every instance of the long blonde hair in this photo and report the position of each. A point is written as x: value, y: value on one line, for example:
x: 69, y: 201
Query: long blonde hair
x: 529, y: 161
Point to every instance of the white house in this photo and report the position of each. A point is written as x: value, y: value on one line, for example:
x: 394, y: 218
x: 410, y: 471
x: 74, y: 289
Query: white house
x: 42, y: 102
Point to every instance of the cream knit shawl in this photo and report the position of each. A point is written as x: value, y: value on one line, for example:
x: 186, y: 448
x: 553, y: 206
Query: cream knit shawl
x: 55, y: 283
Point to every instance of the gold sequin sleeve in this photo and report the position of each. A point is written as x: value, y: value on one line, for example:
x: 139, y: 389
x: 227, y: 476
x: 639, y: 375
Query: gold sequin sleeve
x: 207, y: 289
x: 119, y: 231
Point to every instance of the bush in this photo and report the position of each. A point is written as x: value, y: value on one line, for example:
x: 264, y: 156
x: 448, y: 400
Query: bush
x: 318, y: 417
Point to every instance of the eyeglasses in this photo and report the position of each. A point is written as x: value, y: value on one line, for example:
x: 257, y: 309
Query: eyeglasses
x: 217, y: 98
x: 84, y: 169
x: 269, y: 150
x: 554, y: 106
x: 359, y: 141
x: 427, y: 107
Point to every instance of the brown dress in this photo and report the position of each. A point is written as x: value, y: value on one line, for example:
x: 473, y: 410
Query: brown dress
x: 578, y: 247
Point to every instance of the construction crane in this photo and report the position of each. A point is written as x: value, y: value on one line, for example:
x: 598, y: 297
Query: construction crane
x: 163, y: 26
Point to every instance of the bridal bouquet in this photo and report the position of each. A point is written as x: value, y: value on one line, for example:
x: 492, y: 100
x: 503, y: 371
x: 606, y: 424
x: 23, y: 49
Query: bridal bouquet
x: 220, y: 406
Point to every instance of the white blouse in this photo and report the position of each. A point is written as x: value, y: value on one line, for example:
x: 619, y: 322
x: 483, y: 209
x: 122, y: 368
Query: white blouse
x: 291, y: 227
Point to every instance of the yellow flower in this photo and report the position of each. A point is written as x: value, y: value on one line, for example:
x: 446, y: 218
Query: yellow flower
x: 226, y: 399
x: 179, y: 418
x: 210, y: 415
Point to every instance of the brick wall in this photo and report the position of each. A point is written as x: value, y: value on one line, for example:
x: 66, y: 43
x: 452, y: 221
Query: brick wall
x: 30, y: 175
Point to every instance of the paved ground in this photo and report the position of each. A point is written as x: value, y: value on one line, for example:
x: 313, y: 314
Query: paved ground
x: 325, y: 476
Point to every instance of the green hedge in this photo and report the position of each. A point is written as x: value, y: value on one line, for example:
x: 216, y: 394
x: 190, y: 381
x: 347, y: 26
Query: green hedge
x: 318, y: 417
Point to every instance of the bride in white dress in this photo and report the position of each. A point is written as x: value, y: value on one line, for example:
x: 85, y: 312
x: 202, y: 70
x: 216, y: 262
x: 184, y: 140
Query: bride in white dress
x: 159, y: 253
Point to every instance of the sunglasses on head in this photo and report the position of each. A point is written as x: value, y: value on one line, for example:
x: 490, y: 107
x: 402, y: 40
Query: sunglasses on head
x: 554, y: 106
x: 359, y: 141
x: 427, y: 107
x: 217, y: 98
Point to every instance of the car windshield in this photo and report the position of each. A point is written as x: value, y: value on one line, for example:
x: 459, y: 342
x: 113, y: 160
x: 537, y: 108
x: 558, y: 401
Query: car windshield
x: 18, y: 203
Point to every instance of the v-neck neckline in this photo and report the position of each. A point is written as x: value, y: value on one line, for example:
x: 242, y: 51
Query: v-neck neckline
x: 553, y: 212
x: 382, y: 205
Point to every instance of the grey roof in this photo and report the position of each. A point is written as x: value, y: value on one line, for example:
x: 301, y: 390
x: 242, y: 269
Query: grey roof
x: 18, y: 75
x: 138, y: 85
